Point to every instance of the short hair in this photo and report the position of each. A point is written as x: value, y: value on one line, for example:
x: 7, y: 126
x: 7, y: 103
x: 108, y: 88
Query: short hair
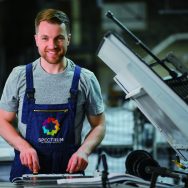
x: 52, y: 16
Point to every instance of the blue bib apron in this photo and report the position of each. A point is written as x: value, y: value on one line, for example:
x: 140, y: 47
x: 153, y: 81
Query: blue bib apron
x: 50, y: 129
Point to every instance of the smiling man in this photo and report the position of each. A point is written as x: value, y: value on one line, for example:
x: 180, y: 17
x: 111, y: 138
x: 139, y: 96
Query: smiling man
x: 51, y: 97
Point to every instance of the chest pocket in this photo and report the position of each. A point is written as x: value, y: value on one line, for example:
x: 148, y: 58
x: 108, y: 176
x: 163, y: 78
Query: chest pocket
x: 51, y: 123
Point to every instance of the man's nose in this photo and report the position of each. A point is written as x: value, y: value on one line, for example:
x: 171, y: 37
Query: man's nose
x: 52, y: 44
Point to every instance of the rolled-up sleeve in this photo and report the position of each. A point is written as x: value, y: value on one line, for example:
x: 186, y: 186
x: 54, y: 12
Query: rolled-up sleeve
x: 9, y: 98
x: 94, y: 103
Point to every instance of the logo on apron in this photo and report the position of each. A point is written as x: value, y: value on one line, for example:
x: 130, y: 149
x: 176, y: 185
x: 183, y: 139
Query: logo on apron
x: 50, y: 121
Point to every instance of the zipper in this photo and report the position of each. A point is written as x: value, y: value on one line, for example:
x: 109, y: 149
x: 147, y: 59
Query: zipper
x: 64, y: 110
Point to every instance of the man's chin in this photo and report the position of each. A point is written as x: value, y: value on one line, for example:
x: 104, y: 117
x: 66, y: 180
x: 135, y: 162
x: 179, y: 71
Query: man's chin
x: 53, y: 61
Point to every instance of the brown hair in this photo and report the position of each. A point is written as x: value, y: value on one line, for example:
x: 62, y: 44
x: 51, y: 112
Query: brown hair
x: 52, y: 16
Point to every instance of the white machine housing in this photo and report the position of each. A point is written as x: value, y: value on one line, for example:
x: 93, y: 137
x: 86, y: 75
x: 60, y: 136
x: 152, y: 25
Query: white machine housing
x: 158, y: 102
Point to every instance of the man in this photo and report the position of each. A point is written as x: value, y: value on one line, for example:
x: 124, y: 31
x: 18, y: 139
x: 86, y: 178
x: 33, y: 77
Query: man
x: 50, y: 97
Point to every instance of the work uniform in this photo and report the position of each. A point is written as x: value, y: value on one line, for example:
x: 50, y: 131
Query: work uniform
x: 50, y: 129
x: 54, y: 90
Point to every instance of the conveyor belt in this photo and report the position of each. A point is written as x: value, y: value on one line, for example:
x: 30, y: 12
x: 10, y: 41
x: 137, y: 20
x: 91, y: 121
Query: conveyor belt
x: 180, y: 86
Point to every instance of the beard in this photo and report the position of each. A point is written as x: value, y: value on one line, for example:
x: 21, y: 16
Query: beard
x: 56, y: 60
x: 53, y: 57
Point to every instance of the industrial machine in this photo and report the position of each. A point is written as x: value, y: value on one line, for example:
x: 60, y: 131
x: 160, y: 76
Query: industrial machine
x: 163, y: 100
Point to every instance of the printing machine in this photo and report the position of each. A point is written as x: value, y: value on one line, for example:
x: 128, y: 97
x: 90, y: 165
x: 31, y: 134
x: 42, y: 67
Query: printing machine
x: 163, y: 100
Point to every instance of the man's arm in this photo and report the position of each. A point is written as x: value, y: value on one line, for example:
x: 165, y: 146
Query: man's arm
x: 79, y: 160
x: 28, y: 155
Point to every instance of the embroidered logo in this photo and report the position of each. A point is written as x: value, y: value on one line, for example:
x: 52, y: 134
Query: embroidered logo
x: 49, y: 122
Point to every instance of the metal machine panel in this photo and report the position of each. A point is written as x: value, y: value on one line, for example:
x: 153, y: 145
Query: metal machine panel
x: 160, y: 104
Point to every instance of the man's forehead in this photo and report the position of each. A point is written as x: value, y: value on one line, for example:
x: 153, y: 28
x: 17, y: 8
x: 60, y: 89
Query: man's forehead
x: 47, y: 27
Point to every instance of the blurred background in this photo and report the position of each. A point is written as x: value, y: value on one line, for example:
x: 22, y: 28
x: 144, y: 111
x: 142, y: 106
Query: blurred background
x: 161, y: 24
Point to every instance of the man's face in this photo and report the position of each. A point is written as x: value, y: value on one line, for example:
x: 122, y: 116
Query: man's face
x: 52, y: 41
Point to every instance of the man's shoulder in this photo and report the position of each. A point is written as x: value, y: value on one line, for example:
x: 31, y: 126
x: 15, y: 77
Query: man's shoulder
x: 20, y: 70
x: 85, y: 73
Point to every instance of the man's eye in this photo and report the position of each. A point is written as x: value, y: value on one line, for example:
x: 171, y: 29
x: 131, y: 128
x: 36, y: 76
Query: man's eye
x: 61, y: 38
x: 44, y: 38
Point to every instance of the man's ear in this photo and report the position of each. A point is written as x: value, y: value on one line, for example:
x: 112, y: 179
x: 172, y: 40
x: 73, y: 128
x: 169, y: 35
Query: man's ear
x: 69, y: 39
x: 36, y: 39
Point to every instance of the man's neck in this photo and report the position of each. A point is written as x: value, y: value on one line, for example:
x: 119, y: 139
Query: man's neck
x: 54, y: 68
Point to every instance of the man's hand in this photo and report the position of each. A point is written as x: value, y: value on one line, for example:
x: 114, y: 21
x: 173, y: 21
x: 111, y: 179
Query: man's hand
x: 78, y: 162
x: 29, y: 158
x: 28, y: 154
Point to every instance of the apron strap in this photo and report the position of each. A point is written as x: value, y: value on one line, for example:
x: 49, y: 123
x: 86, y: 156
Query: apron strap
x: 29, y: 93
x: 75, y: 81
